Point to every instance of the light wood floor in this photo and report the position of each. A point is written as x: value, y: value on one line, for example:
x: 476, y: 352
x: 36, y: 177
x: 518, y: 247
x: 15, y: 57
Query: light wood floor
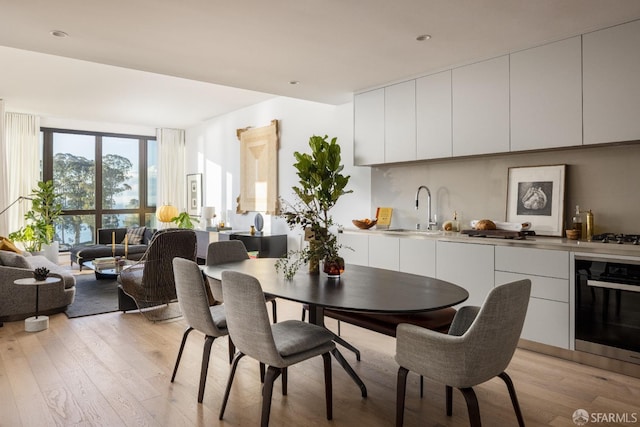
x: 114, y: 369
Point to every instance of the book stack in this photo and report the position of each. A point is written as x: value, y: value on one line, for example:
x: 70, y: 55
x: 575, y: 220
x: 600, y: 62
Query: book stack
x: 104, y: 262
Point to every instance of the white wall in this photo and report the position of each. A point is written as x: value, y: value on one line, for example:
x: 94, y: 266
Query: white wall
x: 214, y: 150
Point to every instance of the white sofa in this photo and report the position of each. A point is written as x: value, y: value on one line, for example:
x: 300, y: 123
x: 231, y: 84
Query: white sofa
x: 18, y: 302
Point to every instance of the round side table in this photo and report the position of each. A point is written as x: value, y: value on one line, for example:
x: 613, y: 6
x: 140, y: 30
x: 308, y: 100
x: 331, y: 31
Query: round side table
x: 36, y: 323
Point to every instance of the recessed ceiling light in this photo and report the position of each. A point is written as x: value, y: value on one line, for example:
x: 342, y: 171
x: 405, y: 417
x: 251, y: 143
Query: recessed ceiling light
x: 58, y: 33
x: 294, y: 82
x: 423, y: 37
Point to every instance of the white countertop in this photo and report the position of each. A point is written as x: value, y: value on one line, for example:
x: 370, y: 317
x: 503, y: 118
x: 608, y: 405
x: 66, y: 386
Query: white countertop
x: 540, y: 242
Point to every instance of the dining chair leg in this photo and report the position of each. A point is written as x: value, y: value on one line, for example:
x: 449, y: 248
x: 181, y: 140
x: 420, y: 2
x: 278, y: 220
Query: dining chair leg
x: 449, y: 397
x: 184, y: 341
x: 328, y: 385
x: 236, y: 359
x: 206, y: 353
x: 304, y: 314
x: 401, y: 389
x: 267, y: 392
x: 421, y: 386
x: 284, y: 381
x: 514, y: 398
x: 232, y: 349
x: 472, y: 406
x: 274, y: 311
x: 262, y: 372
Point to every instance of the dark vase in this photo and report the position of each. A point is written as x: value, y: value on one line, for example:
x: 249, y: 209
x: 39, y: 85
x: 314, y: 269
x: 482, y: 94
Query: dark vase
x: 334, y: 268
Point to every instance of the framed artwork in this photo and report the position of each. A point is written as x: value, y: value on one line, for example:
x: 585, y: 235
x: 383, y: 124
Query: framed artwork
x: 194, y: 194
x: 258, y: 169
x: 536, y: 195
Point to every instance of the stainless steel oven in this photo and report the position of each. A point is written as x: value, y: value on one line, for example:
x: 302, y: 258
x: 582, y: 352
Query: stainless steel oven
x: 607, y: 307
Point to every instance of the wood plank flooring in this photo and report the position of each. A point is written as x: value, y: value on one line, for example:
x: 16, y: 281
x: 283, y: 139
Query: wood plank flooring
x: 114, y: 370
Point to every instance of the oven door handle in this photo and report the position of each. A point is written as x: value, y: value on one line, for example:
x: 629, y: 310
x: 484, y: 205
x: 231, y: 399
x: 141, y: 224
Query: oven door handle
x: 613, y: 285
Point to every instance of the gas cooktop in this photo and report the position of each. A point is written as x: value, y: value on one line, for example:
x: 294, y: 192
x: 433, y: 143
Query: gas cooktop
x: 620, y: 239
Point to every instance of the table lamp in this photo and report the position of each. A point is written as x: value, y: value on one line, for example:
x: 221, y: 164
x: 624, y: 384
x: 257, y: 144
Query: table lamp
x: 207, y: 216
x: 164, y: 214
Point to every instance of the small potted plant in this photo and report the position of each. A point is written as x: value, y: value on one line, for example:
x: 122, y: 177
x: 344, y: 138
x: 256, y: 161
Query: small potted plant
x: 183, y: 220
x: 321, y: 185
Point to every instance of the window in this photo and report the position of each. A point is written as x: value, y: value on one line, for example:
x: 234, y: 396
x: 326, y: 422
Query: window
x: 116, y: 190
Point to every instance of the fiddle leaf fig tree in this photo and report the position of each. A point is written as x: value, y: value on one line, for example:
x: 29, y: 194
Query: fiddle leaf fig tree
x: 321, y: 184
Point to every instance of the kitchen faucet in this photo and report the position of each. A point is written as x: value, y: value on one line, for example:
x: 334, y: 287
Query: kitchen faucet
x: 429, y: 221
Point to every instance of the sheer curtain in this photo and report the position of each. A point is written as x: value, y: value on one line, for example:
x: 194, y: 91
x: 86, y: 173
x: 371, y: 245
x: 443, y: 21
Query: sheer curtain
x: 22, y: 141
x: 4, y: 183
x: 171, y: 168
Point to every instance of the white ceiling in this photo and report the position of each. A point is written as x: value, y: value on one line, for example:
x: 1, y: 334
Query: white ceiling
x: 166, y: 63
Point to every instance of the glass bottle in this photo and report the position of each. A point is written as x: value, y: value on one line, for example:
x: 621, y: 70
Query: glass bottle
x: 577, y: 222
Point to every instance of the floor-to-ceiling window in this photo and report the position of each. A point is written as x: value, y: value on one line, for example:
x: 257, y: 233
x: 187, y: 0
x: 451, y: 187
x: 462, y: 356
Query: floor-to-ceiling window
x: 104, y: 181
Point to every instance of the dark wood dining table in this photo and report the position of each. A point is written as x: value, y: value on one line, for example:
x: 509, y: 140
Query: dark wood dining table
x: 359, y: 288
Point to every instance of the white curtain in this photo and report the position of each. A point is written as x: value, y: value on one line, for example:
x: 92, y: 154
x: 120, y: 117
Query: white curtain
x: 171, y: 168
x: 22, y: 140
x: 4, y: 183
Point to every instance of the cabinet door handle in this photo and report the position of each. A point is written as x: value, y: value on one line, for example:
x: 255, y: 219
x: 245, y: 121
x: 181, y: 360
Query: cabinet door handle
x: 613, y: 285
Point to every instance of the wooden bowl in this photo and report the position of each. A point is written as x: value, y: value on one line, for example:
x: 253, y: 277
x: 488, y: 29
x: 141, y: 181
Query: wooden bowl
x: 364, y: 225
x: 572, y: 234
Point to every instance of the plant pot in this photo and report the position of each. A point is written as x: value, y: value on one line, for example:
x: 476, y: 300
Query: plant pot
x: 51, y: 251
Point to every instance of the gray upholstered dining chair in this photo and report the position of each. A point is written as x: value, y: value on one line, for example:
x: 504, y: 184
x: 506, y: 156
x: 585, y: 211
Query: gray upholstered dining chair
x: 194, y: 303
x: 230, y: 251
x: 478, y: 347
x: 276, y: 345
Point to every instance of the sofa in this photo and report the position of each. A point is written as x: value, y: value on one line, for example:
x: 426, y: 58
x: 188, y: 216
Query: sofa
x: 17, y: 302
x: 105, y: 247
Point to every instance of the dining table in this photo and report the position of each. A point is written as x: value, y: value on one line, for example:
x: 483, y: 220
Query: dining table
x: 359, y: 289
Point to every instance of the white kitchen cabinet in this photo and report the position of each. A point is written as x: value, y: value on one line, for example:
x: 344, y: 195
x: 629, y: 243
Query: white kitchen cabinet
x: 400, y: 122
x: 433, y: 116
x: 384, y: 252
x: 611, y: 61
x: 481, y: 107
x: 418, y: 256
x: 355, y: 248
x: 368, y: 128
x: 548, y: 316
x: 468, y: 265
x: 546, y: 96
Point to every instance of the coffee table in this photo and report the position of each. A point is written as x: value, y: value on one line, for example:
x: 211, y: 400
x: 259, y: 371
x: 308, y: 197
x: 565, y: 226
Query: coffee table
x: 107, y: 272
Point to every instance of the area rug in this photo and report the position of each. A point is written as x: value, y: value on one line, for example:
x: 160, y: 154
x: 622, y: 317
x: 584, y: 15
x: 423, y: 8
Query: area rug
x: 93, y: 296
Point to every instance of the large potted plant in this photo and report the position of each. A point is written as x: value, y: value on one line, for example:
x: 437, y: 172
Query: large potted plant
x: 40, y: 221
x: 320, y: 186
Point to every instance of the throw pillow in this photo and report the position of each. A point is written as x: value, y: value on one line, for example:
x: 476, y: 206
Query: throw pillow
x: 134, y: 235
x: 7, y: 245
x: 12, y: 259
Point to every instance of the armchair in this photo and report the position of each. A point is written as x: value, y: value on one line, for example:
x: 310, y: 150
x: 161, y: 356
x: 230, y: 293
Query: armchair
x: 150, y: 281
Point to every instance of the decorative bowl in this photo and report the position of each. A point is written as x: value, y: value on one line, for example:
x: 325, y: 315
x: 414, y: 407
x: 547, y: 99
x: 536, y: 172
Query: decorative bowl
x: 573, y: 234
x: 363, y: 225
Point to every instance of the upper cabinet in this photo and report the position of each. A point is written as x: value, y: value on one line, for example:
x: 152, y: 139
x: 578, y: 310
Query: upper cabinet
x: 481, y: 107
x: 611, y: 61
x: 368, y: 129
x: 400, y: 122
x: 581, y: 90
x: 546, y: 96
x: 433, y: 116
